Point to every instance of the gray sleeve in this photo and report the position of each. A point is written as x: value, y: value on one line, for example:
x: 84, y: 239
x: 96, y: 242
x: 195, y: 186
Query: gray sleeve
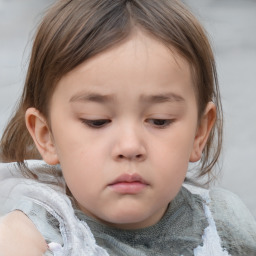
x: 235, y: 224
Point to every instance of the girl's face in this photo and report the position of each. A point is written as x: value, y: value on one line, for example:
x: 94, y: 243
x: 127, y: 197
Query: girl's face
x: 124, y: 127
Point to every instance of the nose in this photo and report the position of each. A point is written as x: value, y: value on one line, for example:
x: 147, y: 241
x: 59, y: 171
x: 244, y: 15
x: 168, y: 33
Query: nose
x: 129, y: 145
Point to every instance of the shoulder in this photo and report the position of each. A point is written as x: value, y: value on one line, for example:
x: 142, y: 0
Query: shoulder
x: 229, y: 207
x: 19, y: 236
x: 235, y: 224
x: 14, y: 187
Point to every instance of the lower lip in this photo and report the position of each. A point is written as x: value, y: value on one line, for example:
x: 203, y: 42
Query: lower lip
x: 128, y: 187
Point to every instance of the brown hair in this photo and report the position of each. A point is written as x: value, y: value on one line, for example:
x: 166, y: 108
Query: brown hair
x: 75, y: 30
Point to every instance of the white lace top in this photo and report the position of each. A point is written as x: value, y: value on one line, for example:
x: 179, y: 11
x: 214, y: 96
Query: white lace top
x: 230, y: 229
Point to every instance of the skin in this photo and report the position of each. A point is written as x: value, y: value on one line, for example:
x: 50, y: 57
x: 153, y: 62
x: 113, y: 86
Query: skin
x: 131, y: 111
x: 19, y: 236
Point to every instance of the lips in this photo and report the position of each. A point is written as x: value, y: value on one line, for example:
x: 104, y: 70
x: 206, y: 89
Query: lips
x: 128, y: 184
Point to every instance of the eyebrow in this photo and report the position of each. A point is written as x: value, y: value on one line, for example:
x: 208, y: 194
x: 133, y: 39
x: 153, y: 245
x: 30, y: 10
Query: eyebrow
x: 99, y: 98
x: 94, y: 97
x: 162, y: 98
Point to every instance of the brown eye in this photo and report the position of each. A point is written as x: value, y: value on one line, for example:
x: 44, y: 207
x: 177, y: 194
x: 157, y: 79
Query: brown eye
x: 98, y: 123
x: 160, y: 123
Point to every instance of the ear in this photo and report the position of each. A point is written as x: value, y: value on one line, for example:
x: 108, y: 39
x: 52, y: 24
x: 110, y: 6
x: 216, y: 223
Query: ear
x: 41, y: 134
x: 204, y: 128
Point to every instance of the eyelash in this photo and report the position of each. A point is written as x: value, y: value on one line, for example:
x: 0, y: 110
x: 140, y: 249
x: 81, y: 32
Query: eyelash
x: 160, y: 123
x: 100, y: 123
x: 97, y: 123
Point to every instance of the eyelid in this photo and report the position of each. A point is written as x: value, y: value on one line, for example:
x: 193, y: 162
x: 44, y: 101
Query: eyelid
x: 95, y: 123
x: 167, y: 122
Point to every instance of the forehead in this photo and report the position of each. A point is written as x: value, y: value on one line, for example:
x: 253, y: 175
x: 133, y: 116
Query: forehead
x: 140, y: 62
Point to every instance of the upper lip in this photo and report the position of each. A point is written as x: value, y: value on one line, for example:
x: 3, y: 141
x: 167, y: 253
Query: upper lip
x: 129, y: 178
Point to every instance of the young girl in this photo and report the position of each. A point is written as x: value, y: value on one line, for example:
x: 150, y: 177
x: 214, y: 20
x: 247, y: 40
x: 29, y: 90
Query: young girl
x: 120, y: 96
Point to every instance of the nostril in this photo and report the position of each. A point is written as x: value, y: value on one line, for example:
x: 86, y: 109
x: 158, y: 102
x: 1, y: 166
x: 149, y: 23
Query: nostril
x: 131, y: 157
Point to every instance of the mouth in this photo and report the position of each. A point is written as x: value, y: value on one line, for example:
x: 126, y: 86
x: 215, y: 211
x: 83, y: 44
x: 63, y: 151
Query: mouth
x: 128, y: 184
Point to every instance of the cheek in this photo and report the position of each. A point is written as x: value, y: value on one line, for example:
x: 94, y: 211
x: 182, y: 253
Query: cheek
x: 82, y: 176
x: 73, y: 144
x: 172, y: 168
x: 175, y: 149
x: 82, y: 162
x: 171, y: 156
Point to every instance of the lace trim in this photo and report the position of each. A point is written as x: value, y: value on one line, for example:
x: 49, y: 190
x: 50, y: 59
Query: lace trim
x: 211, y: 240
x: 77, y: 237
x: 56, y: 248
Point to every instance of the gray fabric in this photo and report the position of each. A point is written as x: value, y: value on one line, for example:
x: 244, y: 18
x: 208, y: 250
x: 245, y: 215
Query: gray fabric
x: 45, y: 223
x: 179, y: 232
x: 235, y: 224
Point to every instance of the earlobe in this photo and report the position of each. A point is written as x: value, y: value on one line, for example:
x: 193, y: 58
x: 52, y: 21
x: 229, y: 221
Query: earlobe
x: 41, y: 134
x: 203, y: 131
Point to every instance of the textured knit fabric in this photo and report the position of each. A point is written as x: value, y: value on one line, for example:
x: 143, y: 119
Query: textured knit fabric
x: 179, y: 232
x: 235, y: 225
x: 198, y: 222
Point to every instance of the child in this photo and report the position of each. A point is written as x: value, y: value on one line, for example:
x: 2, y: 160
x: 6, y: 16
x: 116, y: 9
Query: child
x: 119, y: 97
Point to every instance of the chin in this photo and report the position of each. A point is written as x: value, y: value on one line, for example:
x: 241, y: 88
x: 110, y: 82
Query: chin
x: 129, y: 220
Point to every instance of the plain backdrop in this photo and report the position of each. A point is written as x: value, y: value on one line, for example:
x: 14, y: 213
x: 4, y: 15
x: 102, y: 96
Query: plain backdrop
x: 231, y: 25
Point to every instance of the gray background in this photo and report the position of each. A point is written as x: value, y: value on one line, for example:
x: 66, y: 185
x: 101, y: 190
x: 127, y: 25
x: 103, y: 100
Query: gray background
x: 231, y: 25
